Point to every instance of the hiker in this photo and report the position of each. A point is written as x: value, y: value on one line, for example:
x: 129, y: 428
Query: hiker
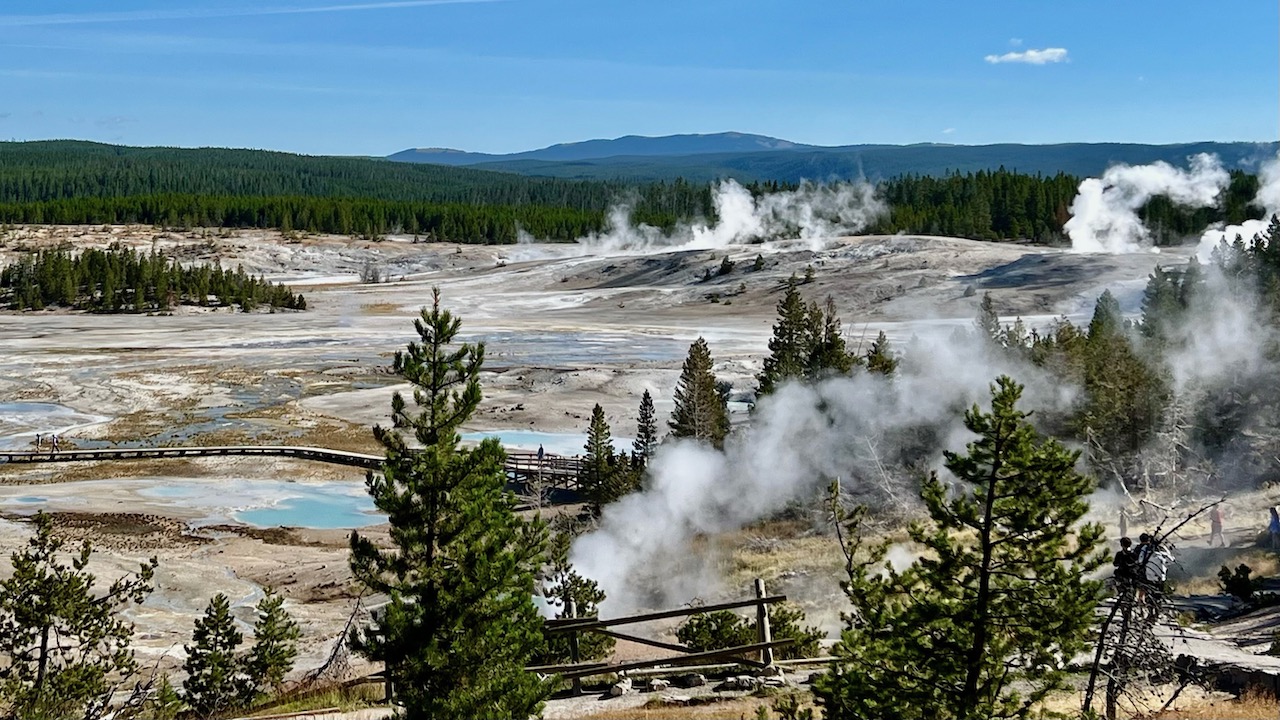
x: 541, y: 452
x: 1155, y: 567
x: 53, y: 441
x: 1126, y: 565
x: 1274, y: 528
x: 38, y: 436
x: 1215, y: 526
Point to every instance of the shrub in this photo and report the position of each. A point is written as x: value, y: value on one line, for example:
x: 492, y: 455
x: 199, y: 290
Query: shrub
x: 724, y: 629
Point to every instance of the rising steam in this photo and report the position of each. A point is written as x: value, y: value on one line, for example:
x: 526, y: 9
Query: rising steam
x: 645, y: 554
x: 1268, y: 198
x: 810, y: 212
x: 1104, y: 214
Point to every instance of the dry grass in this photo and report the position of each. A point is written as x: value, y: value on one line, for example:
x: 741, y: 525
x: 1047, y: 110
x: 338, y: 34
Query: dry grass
x: 381, y: 308
x: 75, y: 472
x: 137, y: 425
x: 345, y: 699
x: 1251, y: 706
x: 727, y: 710
x: 769, y: 557
x: 1263, y: 563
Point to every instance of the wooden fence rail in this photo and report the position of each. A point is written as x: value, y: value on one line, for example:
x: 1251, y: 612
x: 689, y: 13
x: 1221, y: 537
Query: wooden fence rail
x: 553, y: 471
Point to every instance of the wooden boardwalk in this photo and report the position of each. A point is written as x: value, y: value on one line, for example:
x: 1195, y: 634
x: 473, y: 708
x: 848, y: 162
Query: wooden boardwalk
x: 522, y: 467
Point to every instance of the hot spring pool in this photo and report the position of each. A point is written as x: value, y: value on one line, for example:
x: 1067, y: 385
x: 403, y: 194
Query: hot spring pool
x: 553, y: 443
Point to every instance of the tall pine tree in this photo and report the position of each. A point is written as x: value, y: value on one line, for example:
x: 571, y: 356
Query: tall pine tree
x: 646, y: 431
x: 700, y: 413
x: 790, y: 346
x: 460, y: 624
x: 983, y: 623
x: 598, y: 463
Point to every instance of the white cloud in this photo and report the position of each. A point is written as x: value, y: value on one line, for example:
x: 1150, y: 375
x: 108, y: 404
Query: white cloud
x: 948, y: 131
x: 1015, y: 42
x: 1031, y: 57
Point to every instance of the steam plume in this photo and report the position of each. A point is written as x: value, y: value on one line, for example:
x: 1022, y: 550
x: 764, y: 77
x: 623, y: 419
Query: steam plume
x: 1105, y: 210
x: 800, y: 439
x: 810, y: 212
x: 1268, y: 198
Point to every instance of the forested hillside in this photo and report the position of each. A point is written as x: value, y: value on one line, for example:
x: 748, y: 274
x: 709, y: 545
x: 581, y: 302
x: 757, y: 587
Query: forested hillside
x: 86, y: 183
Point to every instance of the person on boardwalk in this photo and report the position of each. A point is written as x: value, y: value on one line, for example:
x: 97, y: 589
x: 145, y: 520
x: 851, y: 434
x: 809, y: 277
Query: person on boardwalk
x: 1154, y: 563
x: 1126, y: 565
x: 541, y: 453
x: 1273, y: 528
x: 1215, y: 526
x: 38, y: 437
x: 53, y: 441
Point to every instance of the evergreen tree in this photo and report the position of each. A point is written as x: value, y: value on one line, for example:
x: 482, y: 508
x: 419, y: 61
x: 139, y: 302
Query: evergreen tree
x: 275, y: 645
x: 699, y: 407
x: 880, y: 358
x: 1161, y: 306
x: 460, y: 624
x: 791, y: 344
x: 564, y: 584
x: 1124, y: 397
x: 215, y: 682
x: 828, y: 353
x: 598, y: 463
x: 63, y: 644
x: 988, y: 320
x: 646, y: 431
x: 984, y: 622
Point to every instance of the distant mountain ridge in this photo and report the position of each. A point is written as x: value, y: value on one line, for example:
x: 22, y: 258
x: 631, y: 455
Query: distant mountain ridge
x: 628, y: 145
x: 748, y: 157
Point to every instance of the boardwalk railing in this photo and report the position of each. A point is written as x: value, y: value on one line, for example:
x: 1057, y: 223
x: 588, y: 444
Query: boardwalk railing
x: 521, y: 466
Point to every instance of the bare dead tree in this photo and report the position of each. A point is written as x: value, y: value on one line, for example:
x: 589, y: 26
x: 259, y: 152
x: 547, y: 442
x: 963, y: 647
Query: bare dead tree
x: 1130, y: 654
x: 337, y: 667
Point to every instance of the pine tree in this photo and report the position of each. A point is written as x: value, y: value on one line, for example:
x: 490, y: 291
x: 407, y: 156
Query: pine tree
x: 1161, y: 306
x: 275, y: 645
x: 564, y: 584
x: 988, y: 320
x: 1125, y: 397
x: 215, y: 674
x: 598, y: 463
x: 63, y: 645
x: 880, y: 358
x: 791, y: 344
x: 984, y: 622
x: 828, y: 352
x: 460, y: 625
x: 699, y: 407
x: 646, y: 432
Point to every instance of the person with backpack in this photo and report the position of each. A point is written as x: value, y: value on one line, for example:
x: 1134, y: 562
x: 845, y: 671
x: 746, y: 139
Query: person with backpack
x: 1154, y: 559
x: 1126, y: 565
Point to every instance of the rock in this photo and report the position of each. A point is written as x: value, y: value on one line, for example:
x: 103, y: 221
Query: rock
x: 658, y: 685
x: 622, y: 687
x: 743, y: 682
x: 691, y: 680
x: 813, y: 677
x: 771, y: 671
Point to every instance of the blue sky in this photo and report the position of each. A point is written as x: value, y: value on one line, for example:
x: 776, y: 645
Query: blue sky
x: 370, y: 77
